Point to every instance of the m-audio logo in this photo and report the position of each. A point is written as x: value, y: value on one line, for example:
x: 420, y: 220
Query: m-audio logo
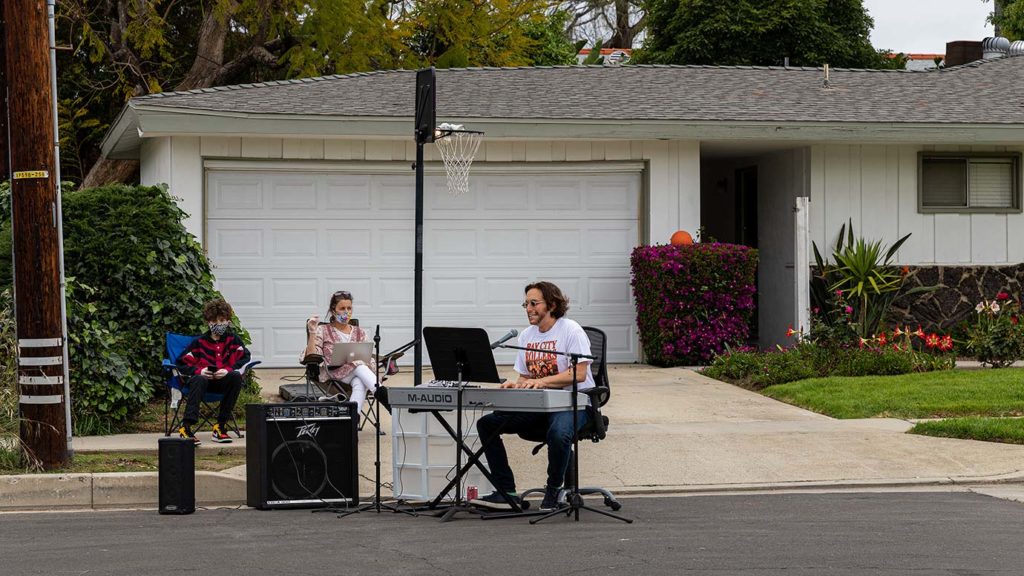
x: 310, y: 430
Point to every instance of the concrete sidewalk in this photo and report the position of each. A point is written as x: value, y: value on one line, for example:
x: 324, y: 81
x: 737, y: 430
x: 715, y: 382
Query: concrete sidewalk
x: 672, y: 430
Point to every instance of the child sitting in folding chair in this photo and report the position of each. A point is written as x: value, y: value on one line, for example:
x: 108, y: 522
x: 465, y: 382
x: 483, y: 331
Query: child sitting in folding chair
x: 212, y: 363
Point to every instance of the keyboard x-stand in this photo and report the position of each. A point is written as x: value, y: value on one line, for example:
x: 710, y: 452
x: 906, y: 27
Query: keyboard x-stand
x: 462, y: 355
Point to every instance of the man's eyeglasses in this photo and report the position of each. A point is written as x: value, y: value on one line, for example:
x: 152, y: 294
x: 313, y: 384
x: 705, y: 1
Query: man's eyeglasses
x: 533, y: 303
x: 343, y: 295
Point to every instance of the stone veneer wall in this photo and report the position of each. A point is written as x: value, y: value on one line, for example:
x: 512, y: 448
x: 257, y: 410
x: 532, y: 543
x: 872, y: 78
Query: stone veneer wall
x: 960, y: 290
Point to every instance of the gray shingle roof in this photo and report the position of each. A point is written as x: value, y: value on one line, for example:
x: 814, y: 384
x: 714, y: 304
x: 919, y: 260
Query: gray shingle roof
x: 986, y: 92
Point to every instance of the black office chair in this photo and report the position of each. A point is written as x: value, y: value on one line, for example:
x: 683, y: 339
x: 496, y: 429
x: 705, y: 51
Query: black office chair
x: 597, y: 425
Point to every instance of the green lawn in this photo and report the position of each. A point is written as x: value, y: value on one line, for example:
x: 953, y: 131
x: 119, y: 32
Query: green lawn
x: 1006, y: 430
x: 943, y: 394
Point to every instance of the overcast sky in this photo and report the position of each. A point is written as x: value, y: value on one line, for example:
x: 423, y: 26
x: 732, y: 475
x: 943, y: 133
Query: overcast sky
x: 926, y: 25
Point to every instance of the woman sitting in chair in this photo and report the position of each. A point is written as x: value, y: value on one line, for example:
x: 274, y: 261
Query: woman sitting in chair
x: 321, y: 339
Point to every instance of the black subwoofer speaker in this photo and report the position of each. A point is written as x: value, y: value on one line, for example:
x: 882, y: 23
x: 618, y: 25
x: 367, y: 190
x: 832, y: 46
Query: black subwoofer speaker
x: 301, y: 455
x: 177, y: 470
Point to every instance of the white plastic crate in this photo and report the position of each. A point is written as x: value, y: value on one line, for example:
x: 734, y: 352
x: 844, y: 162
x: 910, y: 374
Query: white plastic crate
x: 424, y: 454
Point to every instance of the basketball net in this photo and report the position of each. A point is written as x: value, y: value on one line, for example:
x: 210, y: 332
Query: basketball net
x: 457, y: 147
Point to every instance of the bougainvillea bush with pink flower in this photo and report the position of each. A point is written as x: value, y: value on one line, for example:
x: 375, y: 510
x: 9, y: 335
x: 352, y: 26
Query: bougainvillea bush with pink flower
x: 693, y: 301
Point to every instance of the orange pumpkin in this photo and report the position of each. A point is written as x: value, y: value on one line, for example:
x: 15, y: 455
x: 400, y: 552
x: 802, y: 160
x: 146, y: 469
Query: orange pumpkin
x: 681, y: 238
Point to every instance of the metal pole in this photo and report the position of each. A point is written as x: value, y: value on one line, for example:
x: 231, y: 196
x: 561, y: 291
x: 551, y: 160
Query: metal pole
x: 418, y: 275
x: 51, y: 17
x: 36, y: 234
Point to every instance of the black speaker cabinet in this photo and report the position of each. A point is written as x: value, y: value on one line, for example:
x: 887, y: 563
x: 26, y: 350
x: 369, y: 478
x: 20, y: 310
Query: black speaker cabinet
x: 301, y: 455
x: 177, y: 469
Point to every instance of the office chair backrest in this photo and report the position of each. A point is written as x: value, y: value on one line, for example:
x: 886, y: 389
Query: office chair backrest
x: 599, y: 368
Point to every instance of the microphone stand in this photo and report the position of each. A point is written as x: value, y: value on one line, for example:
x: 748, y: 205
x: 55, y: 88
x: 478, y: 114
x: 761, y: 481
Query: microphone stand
x: 376, y: 503
x: 575, y: 499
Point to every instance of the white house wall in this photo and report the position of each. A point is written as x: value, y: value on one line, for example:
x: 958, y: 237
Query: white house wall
x: 876, y: 187
x: 673, y: 167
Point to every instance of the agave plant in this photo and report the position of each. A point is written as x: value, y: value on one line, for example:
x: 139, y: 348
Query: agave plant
x: 865, y: 275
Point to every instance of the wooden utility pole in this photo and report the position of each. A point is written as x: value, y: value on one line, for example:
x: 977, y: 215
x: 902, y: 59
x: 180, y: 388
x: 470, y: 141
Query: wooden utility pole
x: 36, y: 225
x: 5, y: 173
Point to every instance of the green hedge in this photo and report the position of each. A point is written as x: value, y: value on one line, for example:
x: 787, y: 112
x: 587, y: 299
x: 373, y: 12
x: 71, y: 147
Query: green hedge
x: 693, y: 302
x: 133, y: 273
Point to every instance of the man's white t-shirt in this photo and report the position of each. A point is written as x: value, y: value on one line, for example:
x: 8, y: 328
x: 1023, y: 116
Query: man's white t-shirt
x: 564, y: 336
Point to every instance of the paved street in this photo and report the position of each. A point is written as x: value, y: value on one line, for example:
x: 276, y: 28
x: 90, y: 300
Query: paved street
x: 932, y: 533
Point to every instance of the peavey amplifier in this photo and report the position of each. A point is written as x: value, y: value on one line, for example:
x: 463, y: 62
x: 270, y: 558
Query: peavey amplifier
x: 301, y: 455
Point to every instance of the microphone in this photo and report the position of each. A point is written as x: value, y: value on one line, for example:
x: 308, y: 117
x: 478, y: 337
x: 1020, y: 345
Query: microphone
x: 511, y: 334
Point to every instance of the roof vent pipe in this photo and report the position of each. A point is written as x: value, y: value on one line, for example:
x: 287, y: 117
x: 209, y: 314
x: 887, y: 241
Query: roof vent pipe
x: 994, y: 47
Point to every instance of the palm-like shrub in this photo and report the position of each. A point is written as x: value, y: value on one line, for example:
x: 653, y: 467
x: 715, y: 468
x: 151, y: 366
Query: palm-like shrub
x: 860, y: 286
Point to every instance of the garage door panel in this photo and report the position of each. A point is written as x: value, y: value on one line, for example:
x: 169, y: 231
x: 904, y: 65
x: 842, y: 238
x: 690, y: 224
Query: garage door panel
x: 245, y: 294
x: 342, y: 244
x: 232, y: 192
x: 609, y: 198
x: 358, y: 283
x: 348, y: 194
x: 509, y: 243
x: 604, y: 242
x: 444, y: 243
x: 293, y: 192
x: 558, y: 195
x: 395, y: 195
x: 294, y: 293
x: 454, y: 293
x: 288, y: 243
x: 230, y: 244
x: 282, y: 243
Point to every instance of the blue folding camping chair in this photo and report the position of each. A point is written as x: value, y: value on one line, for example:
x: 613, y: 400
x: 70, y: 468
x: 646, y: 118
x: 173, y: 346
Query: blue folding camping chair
x: 177, y: 389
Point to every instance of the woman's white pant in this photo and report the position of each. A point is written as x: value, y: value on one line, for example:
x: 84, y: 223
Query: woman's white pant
x: 362, y: 379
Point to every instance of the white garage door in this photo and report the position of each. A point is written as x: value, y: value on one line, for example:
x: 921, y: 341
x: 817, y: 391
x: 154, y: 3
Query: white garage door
x: 283, y: 240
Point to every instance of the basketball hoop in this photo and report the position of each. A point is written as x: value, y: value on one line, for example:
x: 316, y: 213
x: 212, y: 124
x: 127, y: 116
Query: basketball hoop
x: 458, y: 147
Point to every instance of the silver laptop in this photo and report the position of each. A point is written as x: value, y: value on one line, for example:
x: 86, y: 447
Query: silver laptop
x: 345, y: 352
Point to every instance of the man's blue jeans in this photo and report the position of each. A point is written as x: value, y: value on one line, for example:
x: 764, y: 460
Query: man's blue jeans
x: 555, y: 428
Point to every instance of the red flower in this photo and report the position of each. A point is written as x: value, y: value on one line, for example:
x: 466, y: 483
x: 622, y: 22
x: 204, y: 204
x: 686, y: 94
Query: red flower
x: 932, y: 340
x: 919, y: 333
x: 905, y: 270
x: 862, y: 342
x: 882, y: 340
x: 897, y: 332
x: 1014, y: 319
x: 1002, y: 296
x: 946, y: 344
x: 790, y: 332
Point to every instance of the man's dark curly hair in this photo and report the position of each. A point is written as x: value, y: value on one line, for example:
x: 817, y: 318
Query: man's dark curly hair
x: 557, y: 303
x: 217, y: 308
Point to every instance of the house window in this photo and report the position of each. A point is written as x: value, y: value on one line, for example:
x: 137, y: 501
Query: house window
x: 969, y: 183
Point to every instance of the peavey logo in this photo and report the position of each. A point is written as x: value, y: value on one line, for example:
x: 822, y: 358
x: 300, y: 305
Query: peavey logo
x: 308, y: 430
x: 431, y: 398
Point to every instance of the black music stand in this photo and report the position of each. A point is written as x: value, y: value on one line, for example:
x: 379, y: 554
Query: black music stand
x: 459, y: 355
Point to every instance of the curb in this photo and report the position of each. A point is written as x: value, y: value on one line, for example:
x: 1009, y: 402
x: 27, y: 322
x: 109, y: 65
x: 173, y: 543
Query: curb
x: 139, y: 490
x: 99, y: 491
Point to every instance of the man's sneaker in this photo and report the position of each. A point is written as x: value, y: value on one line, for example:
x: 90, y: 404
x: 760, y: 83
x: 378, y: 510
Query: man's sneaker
x: 550, y: 501
x: 219, y: 436
x: 496, y: 501
x: 184, y: 432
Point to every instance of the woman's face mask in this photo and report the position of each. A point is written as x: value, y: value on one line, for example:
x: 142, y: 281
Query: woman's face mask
x: 341, y: 317
x: 218, y: 329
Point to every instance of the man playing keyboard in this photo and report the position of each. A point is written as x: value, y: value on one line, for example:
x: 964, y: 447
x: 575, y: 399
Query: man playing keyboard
x: 549, y: 330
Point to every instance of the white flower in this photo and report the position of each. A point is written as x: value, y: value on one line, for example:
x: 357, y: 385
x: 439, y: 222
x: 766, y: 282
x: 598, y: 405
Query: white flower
x: 981, y: 306
x: 994, y: 307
